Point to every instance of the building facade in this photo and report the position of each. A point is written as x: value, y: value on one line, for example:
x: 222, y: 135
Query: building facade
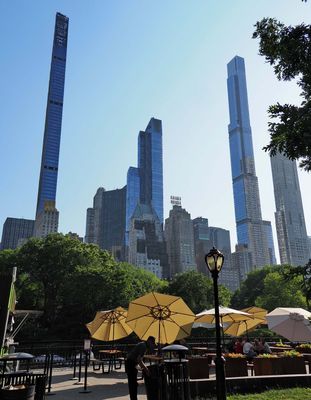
x: 289, y: 215
x: 147, y: 248
x: 105, y: 221
x: 180, y: 241
x: 15, y: 230
x: 53, y: 119
x: 202, y: 242
x: 269, y: 234
x: 250, y: 230
x: 150, y: 164
x: 46, y: 220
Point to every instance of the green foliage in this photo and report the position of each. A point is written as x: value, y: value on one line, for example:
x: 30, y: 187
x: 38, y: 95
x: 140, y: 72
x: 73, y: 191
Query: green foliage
x: 288, y: 50
x: 260, y: 289
x: 288, y: 294
x: 304, y: 272
x: 69, y: 281
x: 196, y: 290
x: 282, y: 394
x: 250, y: 289
x: 7, y: 262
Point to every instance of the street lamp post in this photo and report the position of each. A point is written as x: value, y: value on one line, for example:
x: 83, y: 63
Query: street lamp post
x: 214, y: 261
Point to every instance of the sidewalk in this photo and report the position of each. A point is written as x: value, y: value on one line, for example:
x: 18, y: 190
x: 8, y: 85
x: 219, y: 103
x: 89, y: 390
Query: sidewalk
x: 109, y: 386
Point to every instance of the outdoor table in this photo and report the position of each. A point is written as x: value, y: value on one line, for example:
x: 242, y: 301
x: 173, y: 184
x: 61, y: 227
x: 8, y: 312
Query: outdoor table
x: 112, y: 356
x: 278, y: 349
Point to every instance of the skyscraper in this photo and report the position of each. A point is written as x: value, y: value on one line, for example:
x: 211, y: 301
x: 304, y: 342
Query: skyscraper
x: 250, y: 230
x: 269, y: 235
x: 53, y: 122
x: 105, y: 221
x: 289, y: 215
x: 14, y: 231
x: 147, y: 247
x: 150, y: 166
x: 145, y: 182
x: 180, y: 241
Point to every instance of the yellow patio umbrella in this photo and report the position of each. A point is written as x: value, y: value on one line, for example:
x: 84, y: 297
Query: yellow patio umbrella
x: 167, y: 318
x: 109, y: 325
x: 240, y: 327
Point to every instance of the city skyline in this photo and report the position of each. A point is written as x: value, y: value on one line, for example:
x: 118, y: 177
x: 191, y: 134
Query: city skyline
x: 97, y: 147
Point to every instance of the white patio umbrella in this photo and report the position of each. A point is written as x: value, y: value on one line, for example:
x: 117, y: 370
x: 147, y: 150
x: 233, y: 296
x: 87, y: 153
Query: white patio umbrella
x: 291, y: 323
x: 226, y: 314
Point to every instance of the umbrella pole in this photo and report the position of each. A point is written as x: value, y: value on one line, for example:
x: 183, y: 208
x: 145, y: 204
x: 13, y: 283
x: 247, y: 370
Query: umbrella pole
x: 159, y: 336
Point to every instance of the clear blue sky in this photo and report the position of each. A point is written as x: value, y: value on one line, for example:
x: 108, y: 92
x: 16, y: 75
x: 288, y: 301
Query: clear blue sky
x: 128, y: 61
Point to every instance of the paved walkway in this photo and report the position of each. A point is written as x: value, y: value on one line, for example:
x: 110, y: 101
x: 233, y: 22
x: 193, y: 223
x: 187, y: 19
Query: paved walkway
x: 108, y: 386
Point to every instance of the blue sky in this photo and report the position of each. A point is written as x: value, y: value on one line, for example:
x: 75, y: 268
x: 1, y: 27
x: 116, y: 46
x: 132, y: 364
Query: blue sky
x: 128, y: 61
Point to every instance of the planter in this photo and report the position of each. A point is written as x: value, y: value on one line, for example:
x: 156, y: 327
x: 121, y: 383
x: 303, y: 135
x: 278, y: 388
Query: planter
x: 268, y: 366
x: 293, y: 365
x: 198, y: 368
x: 236, y: 367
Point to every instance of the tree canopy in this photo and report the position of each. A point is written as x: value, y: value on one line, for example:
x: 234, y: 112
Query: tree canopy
x: 197, y: 291
x: 69, y: 281
x: 268, y: 288
x: 288, y: 50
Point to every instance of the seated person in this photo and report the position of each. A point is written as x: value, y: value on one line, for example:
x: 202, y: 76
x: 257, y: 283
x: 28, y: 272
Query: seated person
x: 238, y: 347
x: 265, y: 346
x: 248, y: 349
x: 258, y: 347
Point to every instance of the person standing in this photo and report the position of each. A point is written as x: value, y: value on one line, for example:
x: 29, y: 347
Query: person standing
x: 135, y: 359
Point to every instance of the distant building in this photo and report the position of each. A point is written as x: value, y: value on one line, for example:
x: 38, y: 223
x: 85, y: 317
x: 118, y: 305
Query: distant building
x: 14, y: 231
x: 46, y: 220
x: 147, y: 248
x: 74, y: 235
x: 268, y: 230
x: 250, y: 229
x: 105, y: 222
x: 145, y: 183
x: 289, y: 215
x: 52, y: 129
x: 202, y: 242
x: 180, y: 241
x: 242, y: 262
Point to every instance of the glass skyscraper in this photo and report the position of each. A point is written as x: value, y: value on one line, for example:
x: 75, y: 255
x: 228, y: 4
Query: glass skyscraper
x: 150, y: 166
x: 53, y: 119
x: 289, y: 216
x: 145, y: 183
x: 250, y: 230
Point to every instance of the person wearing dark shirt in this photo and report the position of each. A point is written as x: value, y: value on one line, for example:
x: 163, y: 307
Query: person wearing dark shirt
x: 135, y: 359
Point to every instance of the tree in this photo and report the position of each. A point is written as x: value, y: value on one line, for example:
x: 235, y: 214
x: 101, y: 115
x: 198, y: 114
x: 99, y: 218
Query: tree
x: 268, y: 288
x: 304, y: 272
x: 288, y: 294
x: 196, y: 290
x: 288, y: 50
x: 250, y: 289
x: 69, y: 281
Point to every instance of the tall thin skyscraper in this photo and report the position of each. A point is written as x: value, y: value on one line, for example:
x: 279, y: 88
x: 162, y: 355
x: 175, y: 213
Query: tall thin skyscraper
x: 250, y: 230
x: 289, y: 215
x: 53, y: 121
x: 150, y: 166
x: 145, y: 182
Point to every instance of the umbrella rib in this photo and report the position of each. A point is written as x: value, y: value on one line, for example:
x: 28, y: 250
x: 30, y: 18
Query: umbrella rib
x: 135, y: 318
x: 146, y: 330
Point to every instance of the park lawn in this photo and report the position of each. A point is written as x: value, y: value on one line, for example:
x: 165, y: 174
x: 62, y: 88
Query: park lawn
x: 280, y: 394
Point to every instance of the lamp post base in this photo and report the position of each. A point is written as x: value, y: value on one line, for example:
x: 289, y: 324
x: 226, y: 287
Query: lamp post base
x: 220, y: 378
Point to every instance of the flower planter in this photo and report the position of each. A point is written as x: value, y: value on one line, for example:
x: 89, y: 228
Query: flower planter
x: 236, y: 367
x: 293, y: 365
x: 198, y: 368
x: 268, y: 366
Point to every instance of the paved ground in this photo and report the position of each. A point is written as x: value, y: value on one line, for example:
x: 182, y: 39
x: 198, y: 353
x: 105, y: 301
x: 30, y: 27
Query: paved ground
x: 108, y: 386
